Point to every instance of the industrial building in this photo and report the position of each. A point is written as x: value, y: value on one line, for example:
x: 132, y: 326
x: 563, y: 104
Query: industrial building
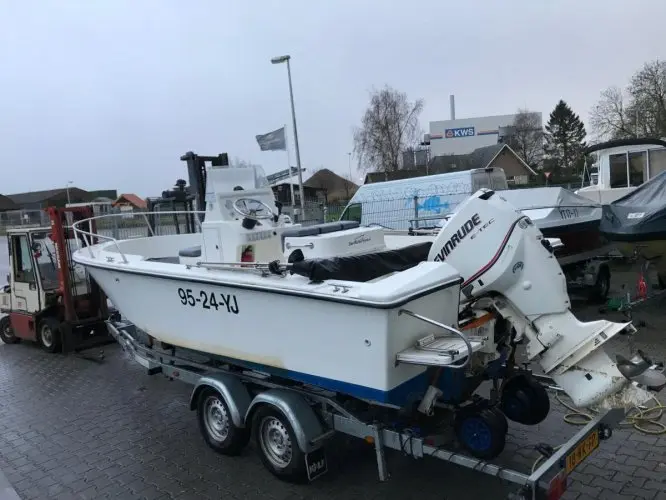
x: 464, y: 135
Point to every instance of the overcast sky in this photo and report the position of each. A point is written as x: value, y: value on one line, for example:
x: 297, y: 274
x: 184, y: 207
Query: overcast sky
x: 110, y: 93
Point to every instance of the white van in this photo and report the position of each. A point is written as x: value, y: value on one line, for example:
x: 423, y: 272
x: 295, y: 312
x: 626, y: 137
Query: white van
x: 399, y: 204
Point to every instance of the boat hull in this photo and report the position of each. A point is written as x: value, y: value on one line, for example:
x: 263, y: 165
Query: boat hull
x: 340, y: 347
x: 577, y: 238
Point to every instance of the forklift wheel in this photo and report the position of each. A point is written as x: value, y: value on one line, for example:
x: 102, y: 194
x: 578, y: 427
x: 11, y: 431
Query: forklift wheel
x: 49, y: 334
x: 6, y: 332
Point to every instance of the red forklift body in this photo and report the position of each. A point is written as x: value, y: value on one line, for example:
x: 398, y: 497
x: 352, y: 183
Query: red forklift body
x: 47, y: 303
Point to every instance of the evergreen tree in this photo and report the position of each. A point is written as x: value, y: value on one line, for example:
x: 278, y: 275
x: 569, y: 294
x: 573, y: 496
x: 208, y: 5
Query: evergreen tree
x: 565, y: 137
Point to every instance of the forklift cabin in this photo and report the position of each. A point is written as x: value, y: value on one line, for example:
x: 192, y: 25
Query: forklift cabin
x: 50, y: 299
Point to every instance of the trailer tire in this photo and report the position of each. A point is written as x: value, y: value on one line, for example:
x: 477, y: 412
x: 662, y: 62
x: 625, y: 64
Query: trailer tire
x: 49, y: 334
x: 600, y: 289
x: 6, y: 332
x: 216, y: 425
x: 277, y: 445
x: 481, y: 433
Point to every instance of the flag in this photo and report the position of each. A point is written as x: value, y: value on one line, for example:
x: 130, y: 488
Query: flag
x: 272, y: 141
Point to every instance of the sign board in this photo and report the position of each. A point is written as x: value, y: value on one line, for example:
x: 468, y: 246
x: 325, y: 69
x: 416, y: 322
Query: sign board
x: 452, y: 133
x: 282, y: 175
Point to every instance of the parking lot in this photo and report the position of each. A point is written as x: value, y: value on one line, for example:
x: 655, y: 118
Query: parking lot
x: 73, y: 428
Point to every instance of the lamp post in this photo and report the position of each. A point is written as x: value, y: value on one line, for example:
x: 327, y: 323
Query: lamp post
x: 350, y: 173
x: 68, y: 184
x: 280, y: 60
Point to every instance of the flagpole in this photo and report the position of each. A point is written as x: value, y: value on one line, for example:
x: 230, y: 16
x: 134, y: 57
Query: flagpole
x: 291, y: 184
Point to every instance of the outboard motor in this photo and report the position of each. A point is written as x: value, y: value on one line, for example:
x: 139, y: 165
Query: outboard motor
x: 500, y: 253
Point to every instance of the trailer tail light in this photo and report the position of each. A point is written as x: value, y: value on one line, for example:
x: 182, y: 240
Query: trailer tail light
x: 557, y: 486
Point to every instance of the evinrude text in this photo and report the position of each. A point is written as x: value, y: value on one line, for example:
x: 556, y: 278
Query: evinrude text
x: 224, y: 301
x: 458, y: 236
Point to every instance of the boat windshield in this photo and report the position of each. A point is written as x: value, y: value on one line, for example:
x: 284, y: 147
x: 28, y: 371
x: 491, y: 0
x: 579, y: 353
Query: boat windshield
x: 260, y: 179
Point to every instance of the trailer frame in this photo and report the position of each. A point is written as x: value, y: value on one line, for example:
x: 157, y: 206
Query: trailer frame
x: 316, y: 416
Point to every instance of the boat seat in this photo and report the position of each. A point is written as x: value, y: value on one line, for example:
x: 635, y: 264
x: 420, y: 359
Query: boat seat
x: 325, y: 228
x: 362, y: 268
x: 190, y: 252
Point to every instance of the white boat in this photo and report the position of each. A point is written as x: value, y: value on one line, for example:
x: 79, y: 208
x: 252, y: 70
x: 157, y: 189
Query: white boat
x: 623, y: 165
x: 267, y: 321
x: 352, y: 319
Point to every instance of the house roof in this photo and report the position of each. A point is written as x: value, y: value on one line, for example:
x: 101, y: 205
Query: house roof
x: 327, y: 179
x: 7, y: 204
x: 479, y: 158
x: 132, y: 199
x: 37, y: 196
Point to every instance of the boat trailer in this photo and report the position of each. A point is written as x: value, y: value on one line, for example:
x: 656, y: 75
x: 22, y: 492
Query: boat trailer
x: 230, y: 400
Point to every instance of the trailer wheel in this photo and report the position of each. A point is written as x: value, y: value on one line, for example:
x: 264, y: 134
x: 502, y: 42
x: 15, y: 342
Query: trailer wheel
x: 6, y: 332
x: 277, y: 445
x: 49, y: 334
x: 599, y: 292
x: 481, y: 433
x: 501, y: 419
x: 216, y: 425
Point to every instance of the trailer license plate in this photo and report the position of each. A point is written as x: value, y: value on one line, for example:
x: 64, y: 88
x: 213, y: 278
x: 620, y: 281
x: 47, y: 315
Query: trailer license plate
x: 316, y: 463
x: 582, y: 451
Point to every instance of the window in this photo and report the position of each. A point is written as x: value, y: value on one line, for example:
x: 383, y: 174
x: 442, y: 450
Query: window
x: 618, y: 171
x: 657, y: 162
x: 353, y: 212
x: 520, y: 179
x: 23, y: 269
x: 637, y: 168
x: 496, y: 179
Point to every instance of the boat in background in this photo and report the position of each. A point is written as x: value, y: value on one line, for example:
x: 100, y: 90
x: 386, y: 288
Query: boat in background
x: 561, y: 214
x: 637, y: 223
x: 622, y: 166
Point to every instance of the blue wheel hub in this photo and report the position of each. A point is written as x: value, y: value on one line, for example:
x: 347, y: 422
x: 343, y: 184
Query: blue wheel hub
x: 476, y: 433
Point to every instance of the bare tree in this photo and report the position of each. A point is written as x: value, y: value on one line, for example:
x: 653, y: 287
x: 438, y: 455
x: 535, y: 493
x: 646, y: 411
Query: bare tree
x: 389, y: 125
x: 527, y: 137
x: 608, y: 117
x: 639, y: 111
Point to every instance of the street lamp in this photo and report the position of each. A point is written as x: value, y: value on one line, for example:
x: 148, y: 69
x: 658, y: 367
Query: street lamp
x: 280, y: 60
x: 350, y: 173
x: 69, y: 183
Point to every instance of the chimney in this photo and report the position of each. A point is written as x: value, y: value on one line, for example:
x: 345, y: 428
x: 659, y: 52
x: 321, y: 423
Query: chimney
x: 453, y: 106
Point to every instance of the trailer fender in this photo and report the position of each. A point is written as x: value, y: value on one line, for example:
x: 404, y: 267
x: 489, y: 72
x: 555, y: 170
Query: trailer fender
x: 307, y: 427
x: 234, y: 392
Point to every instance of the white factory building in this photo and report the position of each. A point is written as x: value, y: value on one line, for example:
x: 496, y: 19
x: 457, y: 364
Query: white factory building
x: 464, y: 135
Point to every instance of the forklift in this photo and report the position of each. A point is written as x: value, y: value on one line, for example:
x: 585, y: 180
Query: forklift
x: 49, y: 299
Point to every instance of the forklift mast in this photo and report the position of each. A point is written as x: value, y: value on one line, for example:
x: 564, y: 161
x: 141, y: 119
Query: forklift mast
x: 60, y: 233
x: 196, y: 169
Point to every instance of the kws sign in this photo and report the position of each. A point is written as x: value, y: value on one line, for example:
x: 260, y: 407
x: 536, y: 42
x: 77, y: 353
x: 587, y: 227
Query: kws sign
x: 451, y: 133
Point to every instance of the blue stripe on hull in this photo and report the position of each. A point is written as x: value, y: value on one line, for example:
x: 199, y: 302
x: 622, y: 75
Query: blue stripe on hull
x: 407, y: 392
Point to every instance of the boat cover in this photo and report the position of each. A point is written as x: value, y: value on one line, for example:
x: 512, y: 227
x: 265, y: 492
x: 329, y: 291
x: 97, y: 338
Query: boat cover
x: 364, y: 267
x: 638, y: 216
x: 552, y: 206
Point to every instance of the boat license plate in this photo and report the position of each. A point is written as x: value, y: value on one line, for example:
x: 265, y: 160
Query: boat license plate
x: 316, y: 463
x: 582, y: 451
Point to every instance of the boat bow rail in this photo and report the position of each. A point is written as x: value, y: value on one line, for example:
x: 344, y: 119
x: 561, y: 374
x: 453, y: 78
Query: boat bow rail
x: 88, y: 230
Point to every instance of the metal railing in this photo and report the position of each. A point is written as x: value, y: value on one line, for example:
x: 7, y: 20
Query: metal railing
x: 88, y: 237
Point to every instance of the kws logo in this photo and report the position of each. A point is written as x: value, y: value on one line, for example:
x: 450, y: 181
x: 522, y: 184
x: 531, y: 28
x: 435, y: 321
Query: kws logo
x: 450, y: 133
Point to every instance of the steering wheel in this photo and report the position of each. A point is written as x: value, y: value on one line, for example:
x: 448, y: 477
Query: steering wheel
x: 252, y: 214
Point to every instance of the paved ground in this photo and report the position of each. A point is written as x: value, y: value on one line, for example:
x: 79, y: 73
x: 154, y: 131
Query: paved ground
x: 70, y: 428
